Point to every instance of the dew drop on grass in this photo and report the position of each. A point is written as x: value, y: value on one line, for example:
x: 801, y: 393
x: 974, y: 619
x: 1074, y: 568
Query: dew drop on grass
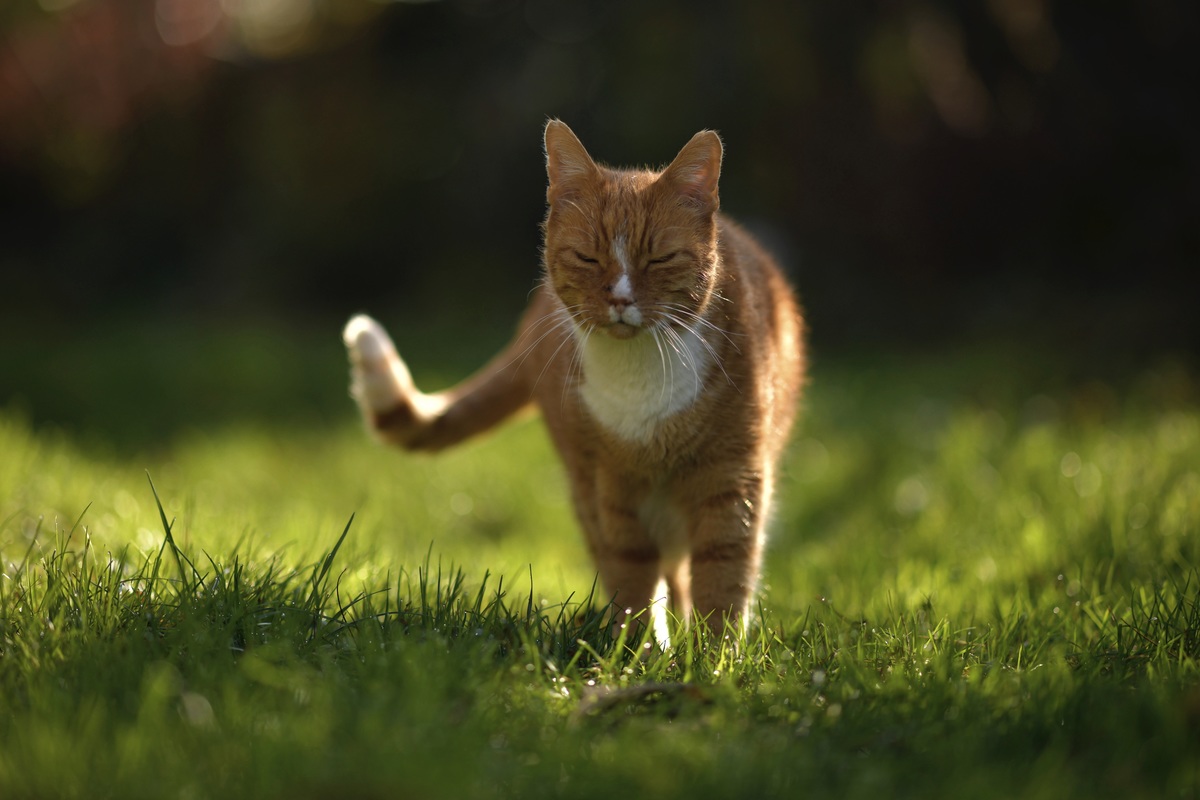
x: 461, y: 504
x: 1139, y: 515
x: 1030, y: 505
x: 986, y: 569
x: 911, y: 496
x: 196, y: 709
x: 1070, y: 464
x: 126, y: 505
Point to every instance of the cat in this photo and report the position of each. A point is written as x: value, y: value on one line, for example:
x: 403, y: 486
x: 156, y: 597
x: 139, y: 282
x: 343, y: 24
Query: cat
x: 665, y: 350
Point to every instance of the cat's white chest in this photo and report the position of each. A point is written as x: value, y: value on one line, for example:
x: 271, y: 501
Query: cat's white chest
x: 630, y: 386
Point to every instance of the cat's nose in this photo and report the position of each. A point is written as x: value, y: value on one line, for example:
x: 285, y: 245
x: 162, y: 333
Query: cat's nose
x: 621, y: 307
x: 619, y: 303
x: 626, y: 312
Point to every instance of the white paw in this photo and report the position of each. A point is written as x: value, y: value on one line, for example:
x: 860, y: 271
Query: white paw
x: 367, y: 341
x: 379, y: 379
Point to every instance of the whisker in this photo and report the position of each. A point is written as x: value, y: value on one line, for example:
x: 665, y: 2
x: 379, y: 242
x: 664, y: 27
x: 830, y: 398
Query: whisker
x: 667, y: 364
x: 680, y: 349
x: 703, y: 321
x: 673, y: 340
x: 566, y: 340
x: 561, y: 318
x: 685, y: 356
x: 703, y: 341
x: 575, y: 365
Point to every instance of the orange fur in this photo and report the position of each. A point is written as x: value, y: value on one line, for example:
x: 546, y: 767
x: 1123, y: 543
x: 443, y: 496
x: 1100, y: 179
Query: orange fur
x: 665, y: 352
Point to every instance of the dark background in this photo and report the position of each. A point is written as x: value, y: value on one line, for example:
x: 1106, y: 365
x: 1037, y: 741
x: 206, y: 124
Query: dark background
x: 930, y: 172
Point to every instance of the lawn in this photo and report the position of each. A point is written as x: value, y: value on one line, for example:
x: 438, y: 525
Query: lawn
x: 984, y: 581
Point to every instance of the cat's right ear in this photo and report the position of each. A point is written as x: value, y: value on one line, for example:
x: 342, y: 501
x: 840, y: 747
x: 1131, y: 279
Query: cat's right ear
x: 695, y: 171
x: 568, y: 165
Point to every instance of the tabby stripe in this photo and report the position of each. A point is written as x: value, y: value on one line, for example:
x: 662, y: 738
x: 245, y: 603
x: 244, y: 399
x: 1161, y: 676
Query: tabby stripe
x: 735, y: 550
x: 734, y: 501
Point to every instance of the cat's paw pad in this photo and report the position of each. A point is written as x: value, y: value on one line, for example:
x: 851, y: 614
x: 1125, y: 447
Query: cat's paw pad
x: 367, y: 342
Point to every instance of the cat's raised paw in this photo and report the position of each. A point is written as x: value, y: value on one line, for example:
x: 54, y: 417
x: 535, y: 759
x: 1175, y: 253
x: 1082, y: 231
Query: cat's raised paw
x: 367, y: 341
x: 379, y: 379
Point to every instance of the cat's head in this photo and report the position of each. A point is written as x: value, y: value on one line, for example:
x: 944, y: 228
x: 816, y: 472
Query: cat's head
x: 631, y: 250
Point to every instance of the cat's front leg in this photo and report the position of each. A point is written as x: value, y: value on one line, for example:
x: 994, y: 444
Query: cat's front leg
x: 727, y: 535
x: 627, y: 559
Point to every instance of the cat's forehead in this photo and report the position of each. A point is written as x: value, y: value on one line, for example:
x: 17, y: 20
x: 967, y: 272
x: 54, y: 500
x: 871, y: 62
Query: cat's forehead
x: 636, y: 229
x: 630, y: 203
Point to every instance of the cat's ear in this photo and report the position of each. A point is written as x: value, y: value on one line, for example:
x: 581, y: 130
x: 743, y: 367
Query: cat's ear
x: 695, y: 171
x: 568, y: 165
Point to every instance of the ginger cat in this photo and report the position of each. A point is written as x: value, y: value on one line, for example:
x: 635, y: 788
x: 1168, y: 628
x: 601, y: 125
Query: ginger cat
x: 664, y: 348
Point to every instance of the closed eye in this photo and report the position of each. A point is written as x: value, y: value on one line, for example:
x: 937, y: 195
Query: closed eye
x: 663, y: 259
x: 583, y: 258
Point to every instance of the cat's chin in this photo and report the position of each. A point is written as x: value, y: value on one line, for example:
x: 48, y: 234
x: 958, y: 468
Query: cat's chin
x: 619, y: 330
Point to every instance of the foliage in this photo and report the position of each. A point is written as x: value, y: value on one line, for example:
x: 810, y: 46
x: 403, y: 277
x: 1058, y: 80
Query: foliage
x: 924, y: 168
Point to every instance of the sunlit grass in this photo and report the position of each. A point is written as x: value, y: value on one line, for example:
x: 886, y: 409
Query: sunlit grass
x: 980, y: 584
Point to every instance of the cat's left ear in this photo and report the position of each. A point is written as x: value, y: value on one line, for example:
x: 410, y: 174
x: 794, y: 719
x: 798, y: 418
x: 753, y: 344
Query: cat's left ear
x: 695, y: 171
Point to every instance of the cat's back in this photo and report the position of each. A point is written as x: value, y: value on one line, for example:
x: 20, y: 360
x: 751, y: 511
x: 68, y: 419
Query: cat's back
x: 761, y: 299
x: 768, y: 348
x: 744, y: 258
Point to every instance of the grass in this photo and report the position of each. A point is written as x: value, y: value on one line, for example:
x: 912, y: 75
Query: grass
x: 984, y: 581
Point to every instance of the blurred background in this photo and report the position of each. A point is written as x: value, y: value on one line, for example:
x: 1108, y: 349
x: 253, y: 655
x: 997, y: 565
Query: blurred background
x: 1021, y: 172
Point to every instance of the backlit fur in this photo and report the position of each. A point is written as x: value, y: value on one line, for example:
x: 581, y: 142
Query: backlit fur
x: 664, y: 349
